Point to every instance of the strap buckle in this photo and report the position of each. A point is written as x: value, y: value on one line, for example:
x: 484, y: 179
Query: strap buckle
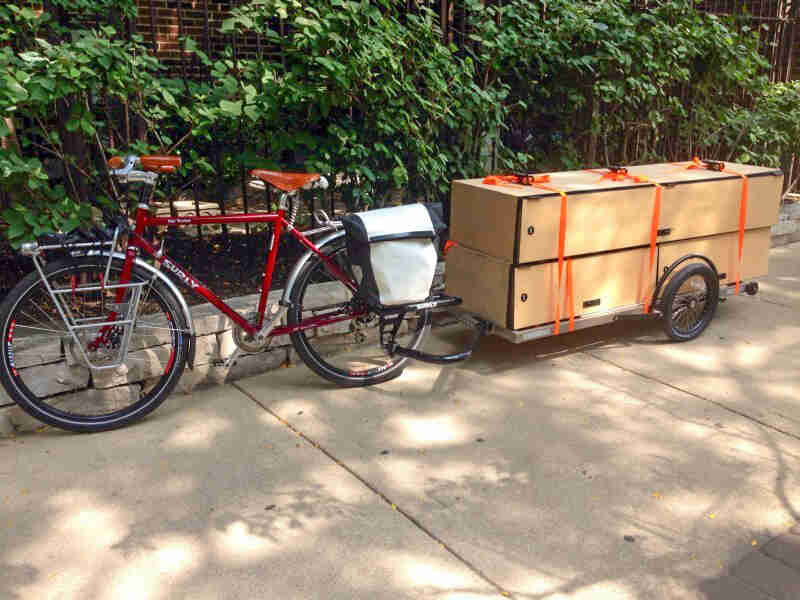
x: 714, y: 165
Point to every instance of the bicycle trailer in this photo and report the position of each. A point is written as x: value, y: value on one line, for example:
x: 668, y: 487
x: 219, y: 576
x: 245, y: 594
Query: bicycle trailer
x: 545, y: 254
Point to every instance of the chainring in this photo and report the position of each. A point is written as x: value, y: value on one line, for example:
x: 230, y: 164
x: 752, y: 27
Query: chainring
x: 247, y: 342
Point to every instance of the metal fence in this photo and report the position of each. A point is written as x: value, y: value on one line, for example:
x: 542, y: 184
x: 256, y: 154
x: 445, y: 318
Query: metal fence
x: 776, y: 20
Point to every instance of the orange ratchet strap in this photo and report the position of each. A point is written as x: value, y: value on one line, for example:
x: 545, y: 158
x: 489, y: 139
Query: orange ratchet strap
x: 515, y: 179
x: 539, y: 181
x: 562, y: 235
x: 618, y: 174
x: 621, y: 174
x: 570, y: 300
x: 713, y: 165
x: 653, y: 239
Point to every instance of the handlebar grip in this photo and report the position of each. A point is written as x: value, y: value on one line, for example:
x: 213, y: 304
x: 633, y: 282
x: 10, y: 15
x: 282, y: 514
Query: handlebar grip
x: 317, y: 184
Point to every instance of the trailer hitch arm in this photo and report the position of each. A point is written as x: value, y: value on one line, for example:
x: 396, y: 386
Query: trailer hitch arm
x: 480, y: 329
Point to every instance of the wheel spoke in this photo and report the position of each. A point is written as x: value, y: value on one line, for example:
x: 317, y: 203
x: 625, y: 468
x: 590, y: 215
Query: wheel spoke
x: 347, y: 351
x: 689, y: 302
x: 98, y: 398
x: 60, y: 332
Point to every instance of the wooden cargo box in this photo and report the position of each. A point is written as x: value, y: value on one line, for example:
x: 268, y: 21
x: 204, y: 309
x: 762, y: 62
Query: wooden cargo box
x: 520, y: 223
x: 520, y: 296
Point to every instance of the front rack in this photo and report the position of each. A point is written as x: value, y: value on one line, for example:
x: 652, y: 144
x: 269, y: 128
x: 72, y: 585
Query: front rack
x: 112, y: 329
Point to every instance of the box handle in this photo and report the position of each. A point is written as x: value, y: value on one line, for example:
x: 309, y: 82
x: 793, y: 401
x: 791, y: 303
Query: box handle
x: 590, y: 303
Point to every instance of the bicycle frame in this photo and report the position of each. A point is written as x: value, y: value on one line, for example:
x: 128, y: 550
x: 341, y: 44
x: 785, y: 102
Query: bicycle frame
x: 136, y: 243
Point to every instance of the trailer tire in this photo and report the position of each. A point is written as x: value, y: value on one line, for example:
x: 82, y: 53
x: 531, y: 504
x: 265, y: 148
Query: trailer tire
x: 689, y: 302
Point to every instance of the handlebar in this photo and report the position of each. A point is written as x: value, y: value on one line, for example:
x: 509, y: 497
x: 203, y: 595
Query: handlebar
x: 124, y: 171
x: 151, y: 167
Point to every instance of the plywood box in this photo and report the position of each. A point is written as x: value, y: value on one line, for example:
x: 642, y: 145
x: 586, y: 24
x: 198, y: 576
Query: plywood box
x: 521, y: 296
x: 723, y: 251
x: 520, y: 223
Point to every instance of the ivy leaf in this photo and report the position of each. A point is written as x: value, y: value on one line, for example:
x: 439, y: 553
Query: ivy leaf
x: 368, y: 172
x: 168, y: 97
x: 16, y: 230
x: 232, y: 109
x: 400, y: 176
x: 17, y: 91
x: 251, y: 112
x: 32, y: 57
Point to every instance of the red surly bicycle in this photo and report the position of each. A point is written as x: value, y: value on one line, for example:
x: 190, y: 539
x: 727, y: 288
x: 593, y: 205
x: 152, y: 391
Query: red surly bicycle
x: 99, y: 339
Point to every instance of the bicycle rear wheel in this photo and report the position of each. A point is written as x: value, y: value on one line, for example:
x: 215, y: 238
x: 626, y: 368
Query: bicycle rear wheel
x: 348, y: 351
x: 85, y: 380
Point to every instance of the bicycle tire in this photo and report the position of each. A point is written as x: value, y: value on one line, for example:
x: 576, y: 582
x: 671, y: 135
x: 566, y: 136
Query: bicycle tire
x: 684, y: 316
x: 323, y: 365
x: 42, y: 408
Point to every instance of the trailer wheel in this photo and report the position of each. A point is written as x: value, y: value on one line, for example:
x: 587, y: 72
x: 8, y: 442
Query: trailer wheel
x: 690, y: 301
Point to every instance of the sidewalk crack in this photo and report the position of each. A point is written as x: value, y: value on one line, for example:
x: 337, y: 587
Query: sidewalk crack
x: 753, y: 586
x: 408, y: 516
x: 698, y: 396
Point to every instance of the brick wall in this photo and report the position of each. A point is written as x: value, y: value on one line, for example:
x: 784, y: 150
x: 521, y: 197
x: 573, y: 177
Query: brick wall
x: 162, y: 23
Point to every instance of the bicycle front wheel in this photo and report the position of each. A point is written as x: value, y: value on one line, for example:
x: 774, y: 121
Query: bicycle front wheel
x: 346, y: 351
x: 115, y: 358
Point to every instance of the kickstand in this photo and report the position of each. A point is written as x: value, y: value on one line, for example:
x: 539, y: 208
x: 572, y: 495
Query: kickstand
x: 230, y: 361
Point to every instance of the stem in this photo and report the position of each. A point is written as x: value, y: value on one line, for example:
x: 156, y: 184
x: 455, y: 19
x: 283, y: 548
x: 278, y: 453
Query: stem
x: 127, y: 124
x: 60, y: 156
x: 180, y: 141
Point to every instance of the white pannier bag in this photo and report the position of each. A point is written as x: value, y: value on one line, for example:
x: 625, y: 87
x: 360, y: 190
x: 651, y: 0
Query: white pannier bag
x: 395, y: 250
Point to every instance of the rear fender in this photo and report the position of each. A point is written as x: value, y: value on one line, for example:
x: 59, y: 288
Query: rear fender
x: 298, y: 266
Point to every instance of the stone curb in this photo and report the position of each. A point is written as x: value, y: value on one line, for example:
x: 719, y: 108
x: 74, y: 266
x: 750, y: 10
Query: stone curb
x: 787, y: 229
x: 784, y: 238
x: 214, y: 341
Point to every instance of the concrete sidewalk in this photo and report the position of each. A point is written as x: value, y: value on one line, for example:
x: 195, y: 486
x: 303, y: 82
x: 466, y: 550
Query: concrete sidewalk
x: 601, y: 464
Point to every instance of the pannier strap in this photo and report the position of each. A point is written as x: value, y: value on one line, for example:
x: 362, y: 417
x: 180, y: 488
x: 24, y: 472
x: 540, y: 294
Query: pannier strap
x: 425, y: 233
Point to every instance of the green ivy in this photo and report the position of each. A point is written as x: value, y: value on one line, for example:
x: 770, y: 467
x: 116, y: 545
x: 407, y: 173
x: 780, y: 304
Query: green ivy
x: 371, y: 96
